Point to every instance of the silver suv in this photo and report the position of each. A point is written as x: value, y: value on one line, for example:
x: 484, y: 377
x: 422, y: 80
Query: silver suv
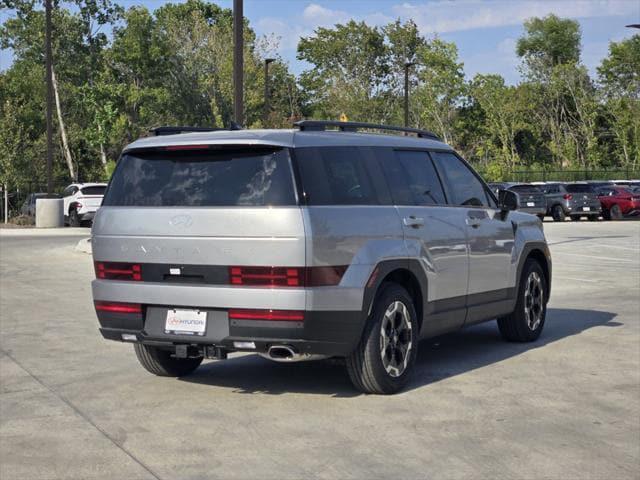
x: 309, y: 243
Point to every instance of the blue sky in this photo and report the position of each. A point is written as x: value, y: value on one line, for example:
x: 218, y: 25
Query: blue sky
x: 484, y: 31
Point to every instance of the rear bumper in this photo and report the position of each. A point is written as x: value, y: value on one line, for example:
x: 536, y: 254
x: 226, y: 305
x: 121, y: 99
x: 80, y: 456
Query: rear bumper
x: 534, y: 210
x: 332, y: 333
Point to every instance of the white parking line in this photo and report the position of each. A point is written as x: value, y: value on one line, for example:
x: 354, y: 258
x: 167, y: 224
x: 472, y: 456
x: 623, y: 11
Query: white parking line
x: 562, y: 277
x: 611, y: 259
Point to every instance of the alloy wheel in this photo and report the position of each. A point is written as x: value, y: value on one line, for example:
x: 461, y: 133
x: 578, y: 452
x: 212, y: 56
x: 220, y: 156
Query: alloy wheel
x: 533, y: 301
x: 396, y: 339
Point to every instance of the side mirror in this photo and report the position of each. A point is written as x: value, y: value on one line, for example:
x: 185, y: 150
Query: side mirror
x: 508, y: 200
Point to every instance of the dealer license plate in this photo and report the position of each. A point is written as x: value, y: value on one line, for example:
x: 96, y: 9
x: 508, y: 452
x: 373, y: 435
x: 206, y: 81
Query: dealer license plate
x: 531, y: 204
x: 186, y: 322
x: 586, y: 209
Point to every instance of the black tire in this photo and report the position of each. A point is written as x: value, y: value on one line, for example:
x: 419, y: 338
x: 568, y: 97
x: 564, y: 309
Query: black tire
x: 365, y: 365
x: 161, y: 363
x: 593, y: 218
x: 575, y: 218
x: 615, y: 212
x: 541, y: 216
x: 74, y: 218
x: 557, y: 212
x: 516, y: 327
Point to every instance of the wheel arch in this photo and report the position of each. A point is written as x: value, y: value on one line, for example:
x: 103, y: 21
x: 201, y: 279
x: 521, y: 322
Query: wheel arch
x: 406, y: 273
x: 539, y: 252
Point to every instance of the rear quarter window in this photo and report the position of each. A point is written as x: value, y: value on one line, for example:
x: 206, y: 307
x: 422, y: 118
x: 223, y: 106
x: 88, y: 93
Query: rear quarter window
x: 341, y: 176
x: 229, y: 177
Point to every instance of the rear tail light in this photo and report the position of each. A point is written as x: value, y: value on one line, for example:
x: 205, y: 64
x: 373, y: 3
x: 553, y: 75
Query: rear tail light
x: 75, y: 205
x: 567, y: 196
x: 118, y: 271
x: 117, y: 307
x: 286, y: 276
x: 269, y: 315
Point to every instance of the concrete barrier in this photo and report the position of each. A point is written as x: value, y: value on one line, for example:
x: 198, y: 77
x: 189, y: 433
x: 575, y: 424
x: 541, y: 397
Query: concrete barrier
x: 49, y: 213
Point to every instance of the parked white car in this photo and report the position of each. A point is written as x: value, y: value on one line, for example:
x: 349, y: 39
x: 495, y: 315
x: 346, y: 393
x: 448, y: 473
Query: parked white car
x: 81, y: 201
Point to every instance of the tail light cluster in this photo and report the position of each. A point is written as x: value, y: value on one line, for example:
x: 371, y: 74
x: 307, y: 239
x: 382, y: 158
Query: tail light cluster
x: 567, y: 196
x: 287, y: 276
x: 117, y: 307
x: 118, y: 271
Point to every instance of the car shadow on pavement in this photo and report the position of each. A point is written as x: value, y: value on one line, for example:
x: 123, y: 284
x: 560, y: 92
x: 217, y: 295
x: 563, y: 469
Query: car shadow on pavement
x: 438, y: 358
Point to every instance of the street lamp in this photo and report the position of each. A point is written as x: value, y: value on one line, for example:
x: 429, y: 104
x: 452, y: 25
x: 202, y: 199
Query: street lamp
x: 407, y: 65
x: 267, y: 93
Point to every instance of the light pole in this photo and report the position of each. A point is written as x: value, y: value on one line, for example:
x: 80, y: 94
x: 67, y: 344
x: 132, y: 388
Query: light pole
x: 267, y: 92
x: 49, y: 110
x: 238, y: 62
x: 407, y: 65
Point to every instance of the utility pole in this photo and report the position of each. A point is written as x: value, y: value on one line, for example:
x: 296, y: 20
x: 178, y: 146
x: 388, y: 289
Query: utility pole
x: 267, y: 92
x: 407, y: 65
x: 49, y: 80
x: 238, y: 62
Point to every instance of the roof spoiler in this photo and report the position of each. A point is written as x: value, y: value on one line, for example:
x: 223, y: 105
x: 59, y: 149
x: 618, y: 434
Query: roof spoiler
x: 174, y: 130
x: 321, y: 126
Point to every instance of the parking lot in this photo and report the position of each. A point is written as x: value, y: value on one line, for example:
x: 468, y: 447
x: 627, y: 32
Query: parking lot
x: 75, y: 406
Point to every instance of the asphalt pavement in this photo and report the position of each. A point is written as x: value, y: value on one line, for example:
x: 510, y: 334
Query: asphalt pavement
x: 74, y: 406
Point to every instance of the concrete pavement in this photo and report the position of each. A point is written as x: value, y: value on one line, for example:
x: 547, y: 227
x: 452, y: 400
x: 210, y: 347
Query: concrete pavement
x: 75, y: 406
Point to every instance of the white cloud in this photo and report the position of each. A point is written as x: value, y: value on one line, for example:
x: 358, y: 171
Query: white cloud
x: 444, y: 16
x: 315, y: 15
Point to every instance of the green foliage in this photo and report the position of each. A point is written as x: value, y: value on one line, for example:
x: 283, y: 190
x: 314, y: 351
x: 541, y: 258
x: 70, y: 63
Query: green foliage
x: 174, y: 66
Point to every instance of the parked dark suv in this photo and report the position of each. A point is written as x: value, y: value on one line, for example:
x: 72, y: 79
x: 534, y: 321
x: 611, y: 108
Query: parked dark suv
x: 307, y: 243
x: 531, y: 198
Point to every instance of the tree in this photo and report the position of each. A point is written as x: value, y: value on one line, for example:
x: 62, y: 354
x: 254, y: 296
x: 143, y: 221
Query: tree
x: 548, y: 42
x: 350, y: 64
x: 619, y: 76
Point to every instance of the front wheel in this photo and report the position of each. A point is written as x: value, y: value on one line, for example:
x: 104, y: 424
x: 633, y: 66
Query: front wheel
x: 383, y: 360
x: 526, y: 322
x: 160, y: 362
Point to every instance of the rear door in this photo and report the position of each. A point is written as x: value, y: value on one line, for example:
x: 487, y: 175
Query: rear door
x: 434, y: 233
x: 490, y: 234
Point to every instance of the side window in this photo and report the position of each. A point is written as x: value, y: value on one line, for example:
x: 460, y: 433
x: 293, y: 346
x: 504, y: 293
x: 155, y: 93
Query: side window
x: 462, y: 186
x: 412, y: 178
x: 67, y: 191
x: 336, y: 176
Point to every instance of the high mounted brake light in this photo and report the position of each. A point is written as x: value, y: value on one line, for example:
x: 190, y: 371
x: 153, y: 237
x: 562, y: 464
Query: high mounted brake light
x: 118, y: 271
x: 286, y: 276
x: 186, y: 147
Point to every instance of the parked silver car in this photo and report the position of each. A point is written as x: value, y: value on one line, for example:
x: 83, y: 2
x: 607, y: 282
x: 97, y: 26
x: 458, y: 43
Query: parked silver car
x: 309, y: 243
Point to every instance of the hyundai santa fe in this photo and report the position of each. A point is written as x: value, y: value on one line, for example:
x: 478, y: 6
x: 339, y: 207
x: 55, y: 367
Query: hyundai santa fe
x: 314, y: 242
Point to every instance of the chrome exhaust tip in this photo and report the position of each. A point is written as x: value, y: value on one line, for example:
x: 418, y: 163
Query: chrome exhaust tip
x: 286, y: 353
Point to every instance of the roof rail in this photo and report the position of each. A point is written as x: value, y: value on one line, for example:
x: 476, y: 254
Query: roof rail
x: 321, y: 125
x: 173, y: 130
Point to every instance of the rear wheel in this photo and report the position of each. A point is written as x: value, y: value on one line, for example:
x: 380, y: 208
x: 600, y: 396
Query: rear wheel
x: 74, y: 218
x: 615, y: 212
x: 383, y: 360
x: 558, y: 213
x: 161, y: 363
x: 527, y: 320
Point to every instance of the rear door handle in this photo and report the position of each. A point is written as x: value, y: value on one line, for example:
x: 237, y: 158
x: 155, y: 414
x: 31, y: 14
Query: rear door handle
x: 473, y: 222
x: 414, y: 222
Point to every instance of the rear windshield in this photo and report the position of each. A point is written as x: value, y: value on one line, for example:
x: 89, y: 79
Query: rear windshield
x: 525, y: 189
x: 578, y: 188
x: 239, y: 177
x: 95, y: 190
